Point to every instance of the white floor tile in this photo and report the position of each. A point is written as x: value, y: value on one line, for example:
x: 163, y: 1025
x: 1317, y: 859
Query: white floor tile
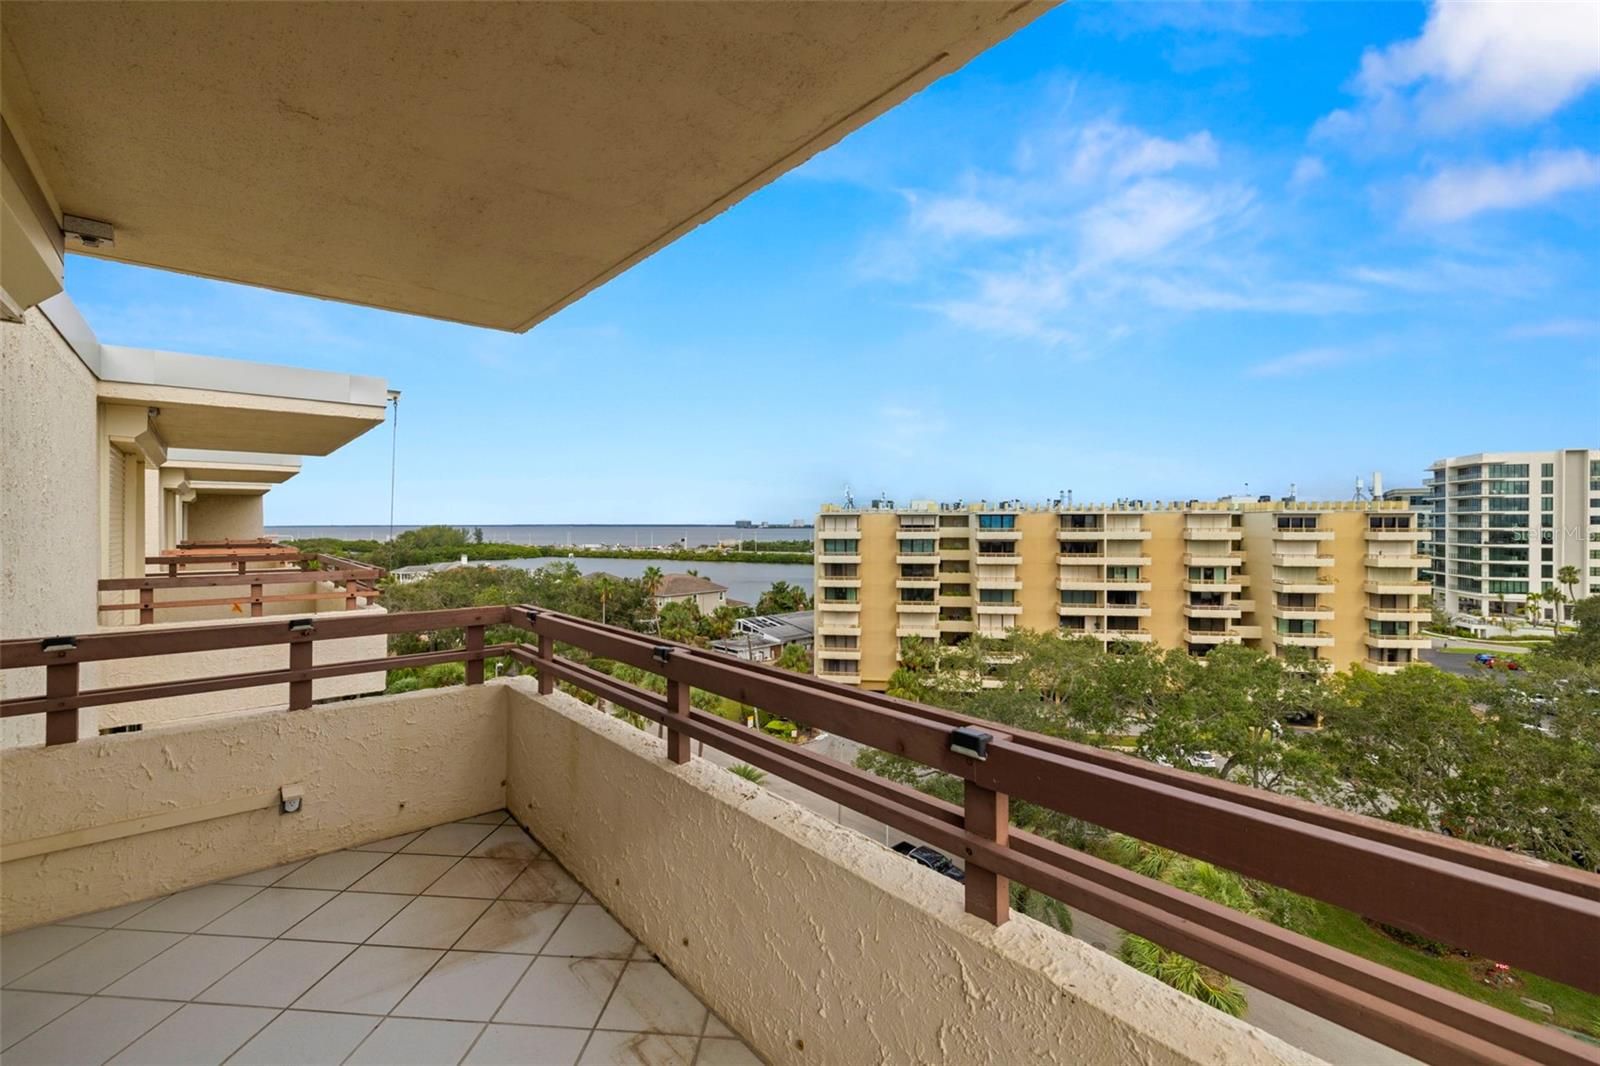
x: 453, y: 839
x: 187, y: 968
x: 723, y: 1052
x: 370, y: 981
x: 513, y: 925
x: 717, y: 1027
x: 276, y: 975
x: 91, y: 1032
x: 430, y: 922
x: 32, y: 948
x: 556, y: 991
x: 263, y: 878
x: 389, y: 844
x: 306, y: 1038
x: 197, y: 1035
x: 547, y: 882
x: 350, y: 917
x: 589, y: 931
x: 94, y: 964
x: 270, y: 913
x: 464, y: 986
x: 649, y: 999
x: 405, y: 873
x: 114, y: 916
x: 186, y: 912
x: 503, y: 1044
x: 416, y: 1042
x: 22, y: 1013
x: 337, y: 870
x: 480, y: 878
x: 509, y: 842
x: 638, y: 1049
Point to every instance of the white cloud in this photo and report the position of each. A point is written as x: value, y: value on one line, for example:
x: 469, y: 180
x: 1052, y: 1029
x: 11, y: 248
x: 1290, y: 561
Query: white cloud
x: 1455, y: 193
x: 1110, y: 150
x: 1019, y: 303
x: 1301, y: 362
x: 1150, y: 216
x: 962, y: 216
x: 1559, y: 327
x: 1475, y: 62
x: 1308, y: 170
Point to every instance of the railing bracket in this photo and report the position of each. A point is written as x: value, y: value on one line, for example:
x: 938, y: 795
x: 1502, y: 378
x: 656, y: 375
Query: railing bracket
x: 970, y: 742
x: 661, y: 654
x: 302, y: 625
x: 58, y: 644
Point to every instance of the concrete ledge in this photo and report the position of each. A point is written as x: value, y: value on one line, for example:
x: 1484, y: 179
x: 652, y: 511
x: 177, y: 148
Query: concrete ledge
x: 370, y: 769
x: 816, y: 944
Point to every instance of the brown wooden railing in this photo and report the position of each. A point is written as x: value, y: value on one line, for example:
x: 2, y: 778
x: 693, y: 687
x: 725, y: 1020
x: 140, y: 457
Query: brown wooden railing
x: 242, y: 565
x: 1509, y: 907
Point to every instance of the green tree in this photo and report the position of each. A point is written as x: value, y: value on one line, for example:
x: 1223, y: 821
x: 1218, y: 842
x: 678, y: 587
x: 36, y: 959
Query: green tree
x: 1235, y: 705
x: 1583, y: 644
x: 795, y: 657
x: 1211, y: 882
x: 1568, y: 577
x: 782, y: 598
x: 1406, y: 747
x: 477, y: 535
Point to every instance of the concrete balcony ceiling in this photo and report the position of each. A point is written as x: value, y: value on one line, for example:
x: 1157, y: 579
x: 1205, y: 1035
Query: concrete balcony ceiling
x: 486, y: 164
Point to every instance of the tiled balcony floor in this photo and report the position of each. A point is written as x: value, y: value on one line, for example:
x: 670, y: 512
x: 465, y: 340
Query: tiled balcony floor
x: 464, y: 943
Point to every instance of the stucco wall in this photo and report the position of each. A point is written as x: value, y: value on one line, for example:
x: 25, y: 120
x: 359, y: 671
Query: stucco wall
x: 225, y: 517
x: 370, y: 769
x: 816, y: 944
x: 49, y: 507
x: 154, y: 668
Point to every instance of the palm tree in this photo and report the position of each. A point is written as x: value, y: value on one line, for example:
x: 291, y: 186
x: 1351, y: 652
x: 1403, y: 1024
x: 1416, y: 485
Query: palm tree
x: 1210, y: 882
x: 1530, y: 607
x: 1569, y: 577
x: 651, y: 579
x: 1555, y: 598
x: 603, y: 585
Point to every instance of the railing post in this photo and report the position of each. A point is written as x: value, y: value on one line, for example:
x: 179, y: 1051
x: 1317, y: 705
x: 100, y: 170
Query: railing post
x: 547, y: 651
x: 678, y: 706
x: 147, y: 606
x: 300, y: 658
x: 988, y: 814
x: 60, y: 682
x: 256, y: 606
x: 350, y: 602
x: 474, y: 644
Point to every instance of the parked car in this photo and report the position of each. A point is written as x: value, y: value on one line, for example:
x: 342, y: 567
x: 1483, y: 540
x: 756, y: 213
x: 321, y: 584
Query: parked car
x: 1510, y: 664
x: 1483, y: 658
x: 936, y: 861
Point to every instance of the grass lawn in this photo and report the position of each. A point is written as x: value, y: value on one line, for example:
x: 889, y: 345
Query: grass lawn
x: 1574, y: 1009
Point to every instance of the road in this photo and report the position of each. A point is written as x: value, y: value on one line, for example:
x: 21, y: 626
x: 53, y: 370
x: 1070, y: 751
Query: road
x: 1282, y: 1019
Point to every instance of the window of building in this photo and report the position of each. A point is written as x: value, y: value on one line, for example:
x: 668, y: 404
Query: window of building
x: 1122, y: 573
x: 918, y: 546
x: 1547, y: 570
x: 1547, y: 503
x: 915, y: 595
x: 831, y: 546
x: 997, y: 521
x: 1083, y: 597
x: 955, y: 590
x: 1507, y: 470
x: 997, y: 595
x: 837, y: 595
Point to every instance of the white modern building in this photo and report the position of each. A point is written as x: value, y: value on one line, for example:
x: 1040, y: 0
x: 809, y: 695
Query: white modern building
x: 1505, y: 524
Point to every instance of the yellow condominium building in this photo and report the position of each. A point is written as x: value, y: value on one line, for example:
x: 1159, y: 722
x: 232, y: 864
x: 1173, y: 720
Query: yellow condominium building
x: 1339, y: 580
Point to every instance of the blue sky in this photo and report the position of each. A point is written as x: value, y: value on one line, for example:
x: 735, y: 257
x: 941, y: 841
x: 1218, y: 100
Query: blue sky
x: 1146, y: 251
